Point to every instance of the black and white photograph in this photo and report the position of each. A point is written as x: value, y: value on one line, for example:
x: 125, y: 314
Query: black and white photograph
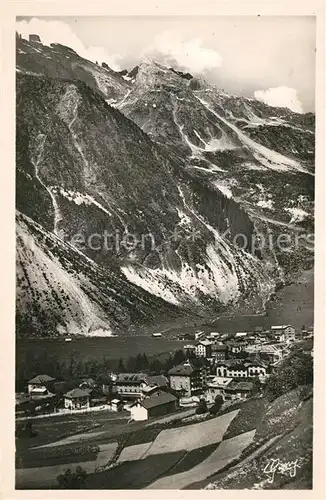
x: 165, y: 248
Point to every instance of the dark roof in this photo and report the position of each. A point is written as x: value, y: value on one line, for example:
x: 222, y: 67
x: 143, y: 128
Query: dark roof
x: 186, y: 369
x: 219, y: 347
x: 241, y: 363
x: 41, y: 379
x: 157, y: 400
x: 236, y: 343
x: 88, y: 381
x: 157, y: 380
x: 232, y: 362
x: 240, y: 386
x: 131, y: 377
x: 77, y: 393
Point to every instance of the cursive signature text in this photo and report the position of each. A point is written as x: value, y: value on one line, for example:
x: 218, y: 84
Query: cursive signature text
x: 275, y: 465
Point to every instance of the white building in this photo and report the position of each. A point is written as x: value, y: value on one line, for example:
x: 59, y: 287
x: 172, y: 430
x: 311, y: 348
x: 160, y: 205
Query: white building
x: 236, y: 368
x: 216, y: 386
x: 40, y: 385
x: 77, y: 399
x: 284, y: 333
x: 116, y: 405
x: 203, y: 349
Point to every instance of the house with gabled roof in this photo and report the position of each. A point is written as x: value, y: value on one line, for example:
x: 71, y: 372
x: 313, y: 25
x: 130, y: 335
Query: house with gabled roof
x: 186, y: 379
x: 203, y: 349
x: 129, y: 385
x: 77, y: 399
x: 283, y: 333
x: 219, y: 352
x: 240, y: 368
x: 136, y: 385
x: 41, y: 385
x: 88, y: 383
x: 157, y: 405
x: 238, y: 390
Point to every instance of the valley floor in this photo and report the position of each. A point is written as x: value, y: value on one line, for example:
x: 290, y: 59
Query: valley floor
x: 229, y: 451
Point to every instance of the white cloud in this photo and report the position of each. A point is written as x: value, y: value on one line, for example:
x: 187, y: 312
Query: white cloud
x: 189, y: 55
x: 283, y: 97
x: 60, y: 32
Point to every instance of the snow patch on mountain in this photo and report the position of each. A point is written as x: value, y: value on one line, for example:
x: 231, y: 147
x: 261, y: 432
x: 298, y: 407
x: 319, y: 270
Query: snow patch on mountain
x: 269, y: 158
x: 215, y: 279
x: 36, y: 161
x: 211, y: 168
x: 221, y: 144
x: 253, y: 166
x: 80, y: 198
x: 152, y: 281
x: 224, y: 189
x: 185, y: 220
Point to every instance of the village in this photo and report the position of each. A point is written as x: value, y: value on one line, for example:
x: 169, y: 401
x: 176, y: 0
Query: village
x: 215, y: 366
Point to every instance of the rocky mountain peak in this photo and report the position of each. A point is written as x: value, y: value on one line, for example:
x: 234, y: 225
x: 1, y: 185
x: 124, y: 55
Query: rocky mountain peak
x: 165, y: 159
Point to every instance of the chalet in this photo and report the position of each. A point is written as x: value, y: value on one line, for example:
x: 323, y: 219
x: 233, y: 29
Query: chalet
x: 186, y: 379
x: 236, y: 346
x: 88, y: 383
x: 214, y: 335
x: 77, y: 399
x: 239, y: 368
x: 238, y: 390
x: 283, y: 333
x: 203, y: 349
x: 189, y: 348
x: 155, y: 406
x: 272, y: 352
x: 129, y: 385
x: 153, y: 384
x: 138, y: 385
x: 219, y: 352
x: 41, y: 385
x: 216, y: 386
x: 116, y: 405
x: 241, y: 334
x: 156, y: 381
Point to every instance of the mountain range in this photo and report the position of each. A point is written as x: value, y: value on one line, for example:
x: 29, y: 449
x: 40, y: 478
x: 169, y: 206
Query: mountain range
x: 144, y: 196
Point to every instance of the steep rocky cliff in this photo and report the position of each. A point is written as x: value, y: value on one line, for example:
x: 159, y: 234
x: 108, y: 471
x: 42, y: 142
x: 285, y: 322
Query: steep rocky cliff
x: 147, y: 178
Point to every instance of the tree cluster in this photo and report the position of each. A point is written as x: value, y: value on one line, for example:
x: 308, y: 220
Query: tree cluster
x: 74, y: 369
x: 72, y: 480
x: 295, y: 371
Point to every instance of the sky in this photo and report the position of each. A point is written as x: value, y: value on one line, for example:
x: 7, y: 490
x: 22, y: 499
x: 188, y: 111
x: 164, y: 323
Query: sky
x: 270, y: 58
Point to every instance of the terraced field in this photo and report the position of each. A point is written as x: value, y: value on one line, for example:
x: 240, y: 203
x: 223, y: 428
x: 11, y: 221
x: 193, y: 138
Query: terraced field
x: 135, y: 452
x: 226, y: 452
x: 46, y: 477
x: 192, y: 436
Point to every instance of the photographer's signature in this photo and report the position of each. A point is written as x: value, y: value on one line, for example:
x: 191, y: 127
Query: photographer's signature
x: 275, y: 465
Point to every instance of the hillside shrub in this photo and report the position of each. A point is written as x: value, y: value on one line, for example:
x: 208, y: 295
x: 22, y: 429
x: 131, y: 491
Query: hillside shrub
x: 295, y: 371
x: 218, y: 403
x: 72, y: 480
